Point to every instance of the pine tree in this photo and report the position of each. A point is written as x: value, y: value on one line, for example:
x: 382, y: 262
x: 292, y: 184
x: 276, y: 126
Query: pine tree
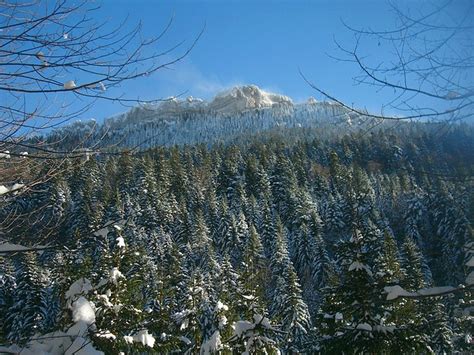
x: 254, y: 268
x: 283, y: 183
x: 230, y: 182
x: 335, y: 224
x: 7, y: 293
x: 438, y: 327
x: 145, y: 187
x: 338, y: 173
x: 412, y: 261
x: 182, y: 228
x: 324, y: 273
x: 231, y: 302
x: 224, y: 237
x: 267, y: 229
x: 288, y: 306
x: 305, y: 260
x: 122, y: 308
x: 255, y: 335
x: 240, y: 239
x: 389, y: 261
x: 252, y: 177
x: 51, y: 307
x: 450, y: 227
x: 25, y: 316
x: 428, y: 316
x: 195, y: 321
x: 199, y: 249
x: 179, y: 178
x: 355, y: 315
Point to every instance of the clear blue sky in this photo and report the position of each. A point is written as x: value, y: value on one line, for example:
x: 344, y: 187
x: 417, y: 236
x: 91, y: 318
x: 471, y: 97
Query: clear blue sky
x: 258, y: 42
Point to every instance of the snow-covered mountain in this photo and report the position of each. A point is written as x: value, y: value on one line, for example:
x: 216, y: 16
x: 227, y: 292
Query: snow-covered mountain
x: 239, y: 111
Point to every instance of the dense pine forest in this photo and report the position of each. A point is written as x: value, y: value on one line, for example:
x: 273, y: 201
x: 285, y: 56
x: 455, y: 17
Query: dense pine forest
x: 286, y: 242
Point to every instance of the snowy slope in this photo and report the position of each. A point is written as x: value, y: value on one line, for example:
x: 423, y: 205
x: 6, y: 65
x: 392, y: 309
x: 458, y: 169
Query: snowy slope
x: 238, y: 111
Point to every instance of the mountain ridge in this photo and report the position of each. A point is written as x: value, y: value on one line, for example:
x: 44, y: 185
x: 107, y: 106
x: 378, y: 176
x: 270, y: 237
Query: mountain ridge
x: 241, y: 110
x: 236, y: 99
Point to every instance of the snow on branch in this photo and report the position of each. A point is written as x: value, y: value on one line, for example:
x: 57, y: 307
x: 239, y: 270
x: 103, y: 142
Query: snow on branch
x: 394, y: 292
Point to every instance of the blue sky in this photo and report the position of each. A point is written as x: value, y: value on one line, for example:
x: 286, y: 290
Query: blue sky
x: 253, y: 42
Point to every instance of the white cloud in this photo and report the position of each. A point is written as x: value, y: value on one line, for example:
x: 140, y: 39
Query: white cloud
x: 187, y: 77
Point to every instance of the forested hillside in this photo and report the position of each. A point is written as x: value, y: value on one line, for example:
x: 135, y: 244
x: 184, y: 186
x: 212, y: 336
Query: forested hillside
x: 285, y: 242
